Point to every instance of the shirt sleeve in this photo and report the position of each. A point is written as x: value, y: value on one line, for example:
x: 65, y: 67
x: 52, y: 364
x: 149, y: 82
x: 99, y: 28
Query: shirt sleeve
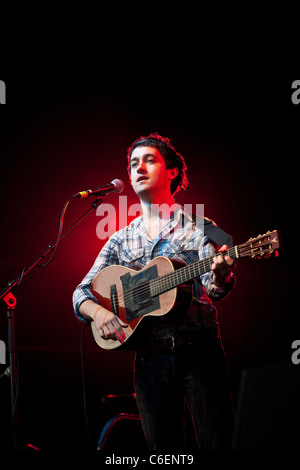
x: 206, y: 250
x: 107, y: 256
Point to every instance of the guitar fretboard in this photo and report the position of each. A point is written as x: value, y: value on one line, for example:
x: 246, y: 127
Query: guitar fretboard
x: 187, y: 273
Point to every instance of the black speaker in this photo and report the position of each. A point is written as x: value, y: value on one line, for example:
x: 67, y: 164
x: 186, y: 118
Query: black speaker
x: 268, y: 408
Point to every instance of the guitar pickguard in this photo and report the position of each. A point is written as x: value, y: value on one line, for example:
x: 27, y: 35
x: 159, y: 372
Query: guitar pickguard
x: 138, y: 302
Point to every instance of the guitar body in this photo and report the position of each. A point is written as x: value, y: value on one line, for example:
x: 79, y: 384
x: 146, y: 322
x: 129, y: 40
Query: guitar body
x: 125, y: 292
x: 140, y: 298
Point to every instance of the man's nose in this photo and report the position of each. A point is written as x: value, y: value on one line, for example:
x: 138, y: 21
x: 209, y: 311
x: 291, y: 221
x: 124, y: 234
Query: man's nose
x: 141, y: 167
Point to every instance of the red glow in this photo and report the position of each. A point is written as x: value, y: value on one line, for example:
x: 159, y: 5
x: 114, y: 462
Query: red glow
x: 31, y: 446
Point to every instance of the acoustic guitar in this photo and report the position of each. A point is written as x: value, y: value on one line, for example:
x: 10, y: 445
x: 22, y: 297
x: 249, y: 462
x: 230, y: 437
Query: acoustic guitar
x: 139, y: 298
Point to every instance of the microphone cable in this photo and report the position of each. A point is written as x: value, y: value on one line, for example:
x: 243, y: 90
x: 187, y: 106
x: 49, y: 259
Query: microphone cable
x: 84, y: 387
x: 60, y: 229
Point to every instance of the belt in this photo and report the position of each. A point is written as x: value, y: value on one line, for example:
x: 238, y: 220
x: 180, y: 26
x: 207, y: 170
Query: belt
x: 168, y: 343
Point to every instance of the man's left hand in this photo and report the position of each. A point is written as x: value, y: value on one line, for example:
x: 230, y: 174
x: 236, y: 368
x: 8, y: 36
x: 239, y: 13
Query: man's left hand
x: 222, y: 267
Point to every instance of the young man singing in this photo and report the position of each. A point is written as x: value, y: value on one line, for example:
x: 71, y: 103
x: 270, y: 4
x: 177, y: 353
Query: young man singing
x: 183, y: 357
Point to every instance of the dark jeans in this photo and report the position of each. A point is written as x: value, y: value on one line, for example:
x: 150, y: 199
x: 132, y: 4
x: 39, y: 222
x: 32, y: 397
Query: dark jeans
x: 195, y: 372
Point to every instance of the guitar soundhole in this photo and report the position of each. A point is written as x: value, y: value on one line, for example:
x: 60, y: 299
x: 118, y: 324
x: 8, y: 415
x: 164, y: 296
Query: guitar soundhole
x: 137, y: 296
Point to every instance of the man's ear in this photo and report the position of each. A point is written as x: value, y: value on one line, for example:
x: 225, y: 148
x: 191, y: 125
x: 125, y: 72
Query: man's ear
x: 173, y: 172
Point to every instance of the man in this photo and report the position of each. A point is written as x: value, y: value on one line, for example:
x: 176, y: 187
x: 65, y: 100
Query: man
x: 182, y: 358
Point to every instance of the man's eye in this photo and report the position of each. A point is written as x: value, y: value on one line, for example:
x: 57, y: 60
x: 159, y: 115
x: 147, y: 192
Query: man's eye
x: 133, y: 165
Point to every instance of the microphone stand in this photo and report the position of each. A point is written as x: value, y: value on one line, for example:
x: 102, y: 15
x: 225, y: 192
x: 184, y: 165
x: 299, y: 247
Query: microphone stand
x: 11, y: 301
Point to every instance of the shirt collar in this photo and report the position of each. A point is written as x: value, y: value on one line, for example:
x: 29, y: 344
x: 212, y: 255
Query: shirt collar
x: 174, y: 220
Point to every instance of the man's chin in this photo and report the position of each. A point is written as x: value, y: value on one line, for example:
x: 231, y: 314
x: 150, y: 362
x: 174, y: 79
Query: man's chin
x: 141, y: 187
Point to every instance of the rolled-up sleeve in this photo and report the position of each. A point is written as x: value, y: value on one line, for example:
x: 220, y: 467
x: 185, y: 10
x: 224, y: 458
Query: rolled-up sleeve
x: 107, y: 256
x: 208, y: 249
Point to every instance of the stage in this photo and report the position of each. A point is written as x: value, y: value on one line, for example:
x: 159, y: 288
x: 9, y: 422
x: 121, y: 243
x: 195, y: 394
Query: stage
x: 62, y: 134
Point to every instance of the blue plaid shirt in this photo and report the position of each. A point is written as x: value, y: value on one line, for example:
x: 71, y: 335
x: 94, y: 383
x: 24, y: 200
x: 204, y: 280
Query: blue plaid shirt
x: 180, y: 238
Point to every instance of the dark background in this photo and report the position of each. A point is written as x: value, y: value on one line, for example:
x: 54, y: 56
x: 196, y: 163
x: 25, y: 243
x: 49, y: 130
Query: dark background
x: 62, y: 133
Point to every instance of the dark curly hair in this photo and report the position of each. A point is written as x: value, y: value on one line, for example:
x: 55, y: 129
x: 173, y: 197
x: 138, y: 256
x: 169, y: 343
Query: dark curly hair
x: 172, y: 158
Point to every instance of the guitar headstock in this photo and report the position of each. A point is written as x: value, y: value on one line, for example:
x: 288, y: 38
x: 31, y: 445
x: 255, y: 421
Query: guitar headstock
x: 261, y: 246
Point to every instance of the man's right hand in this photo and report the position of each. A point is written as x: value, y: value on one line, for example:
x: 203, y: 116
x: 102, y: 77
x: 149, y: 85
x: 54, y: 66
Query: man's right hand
x: 108, y: 325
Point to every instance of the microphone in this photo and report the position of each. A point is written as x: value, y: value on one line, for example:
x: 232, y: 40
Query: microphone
x: 116, y: 186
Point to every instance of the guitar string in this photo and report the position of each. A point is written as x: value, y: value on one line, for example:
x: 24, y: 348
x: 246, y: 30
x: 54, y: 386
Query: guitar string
x: 145, y: 287
x: 165, y: 284
x: 162, y: 282
x: 142, y: 291
x: 165, y: 281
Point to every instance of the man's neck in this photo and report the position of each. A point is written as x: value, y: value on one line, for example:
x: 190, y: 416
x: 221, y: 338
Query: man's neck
x: 156, y: 214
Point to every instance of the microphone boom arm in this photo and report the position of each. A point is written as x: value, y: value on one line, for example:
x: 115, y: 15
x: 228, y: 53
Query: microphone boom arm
x: 10, y: 300
x: 51, y: 247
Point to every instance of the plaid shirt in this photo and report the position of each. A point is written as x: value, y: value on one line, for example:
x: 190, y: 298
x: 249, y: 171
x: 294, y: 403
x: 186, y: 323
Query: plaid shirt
x: 180, y: 238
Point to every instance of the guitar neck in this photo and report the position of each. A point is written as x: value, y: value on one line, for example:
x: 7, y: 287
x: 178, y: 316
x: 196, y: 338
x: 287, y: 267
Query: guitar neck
x: 187, y: 273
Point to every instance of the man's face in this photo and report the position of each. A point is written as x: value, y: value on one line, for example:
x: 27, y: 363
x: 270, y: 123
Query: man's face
x: 149, y: 174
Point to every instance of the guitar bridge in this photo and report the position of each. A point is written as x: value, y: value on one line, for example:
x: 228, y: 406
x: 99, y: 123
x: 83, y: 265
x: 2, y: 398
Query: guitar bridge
x: 114, y: 300
x: 137, y: 295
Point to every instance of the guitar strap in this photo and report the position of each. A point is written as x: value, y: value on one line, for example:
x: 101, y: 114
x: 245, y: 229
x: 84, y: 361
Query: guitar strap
x: 215, y: 233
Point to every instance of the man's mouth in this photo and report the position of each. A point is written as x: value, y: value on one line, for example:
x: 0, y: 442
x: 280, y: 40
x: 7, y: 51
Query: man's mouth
x: 141, y: 178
